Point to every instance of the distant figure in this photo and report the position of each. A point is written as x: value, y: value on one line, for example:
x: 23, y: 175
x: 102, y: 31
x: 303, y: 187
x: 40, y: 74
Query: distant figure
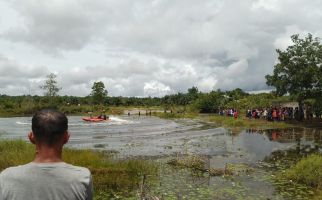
x: 235, y: 114
x: 128, y: 114
x: 48, y: 177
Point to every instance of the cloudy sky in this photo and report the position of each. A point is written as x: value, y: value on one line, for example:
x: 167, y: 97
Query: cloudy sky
x: 147, y: 47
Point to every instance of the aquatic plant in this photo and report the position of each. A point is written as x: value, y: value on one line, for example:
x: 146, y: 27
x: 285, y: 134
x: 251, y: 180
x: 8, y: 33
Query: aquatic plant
x: 191, y: 161
x: 173, y: 115
x: 307, y: 171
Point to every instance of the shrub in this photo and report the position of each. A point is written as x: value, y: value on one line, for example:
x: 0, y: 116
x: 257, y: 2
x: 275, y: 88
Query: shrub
x: 307, y: 171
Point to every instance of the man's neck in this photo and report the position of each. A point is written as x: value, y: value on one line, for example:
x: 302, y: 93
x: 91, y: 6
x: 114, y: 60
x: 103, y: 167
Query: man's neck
x: 45, y: 154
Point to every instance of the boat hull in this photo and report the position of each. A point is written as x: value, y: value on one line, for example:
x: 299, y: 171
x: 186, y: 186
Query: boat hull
x: 88, y: 119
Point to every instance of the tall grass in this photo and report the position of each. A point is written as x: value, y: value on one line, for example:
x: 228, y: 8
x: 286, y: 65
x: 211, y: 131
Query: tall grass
x: 307, y: 171
x: 173, y: 115
x: 110, y: 176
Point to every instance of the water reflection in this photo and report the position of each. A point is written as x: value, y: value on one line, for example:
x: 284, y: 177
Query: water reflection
x: 308, y: 139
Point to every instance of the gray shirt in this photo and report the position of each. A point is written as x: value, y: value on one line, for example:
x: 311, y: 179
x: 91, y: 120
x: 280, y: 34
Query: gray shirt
x: 46, y: 181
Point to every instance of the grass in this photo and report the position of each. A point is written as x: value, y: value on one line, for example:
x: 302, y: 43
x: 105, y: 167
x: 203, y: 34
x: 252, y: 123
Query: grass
x: 307, y: 171
x: 192, y: 162
x: 198, y: 163
x: 173, y: 115
x: 110, y: 177
x: 303, y: 177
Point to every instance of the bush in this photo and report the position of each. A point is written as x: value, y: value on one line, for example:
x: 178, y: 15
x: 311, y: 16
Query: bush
x: 307, y: 171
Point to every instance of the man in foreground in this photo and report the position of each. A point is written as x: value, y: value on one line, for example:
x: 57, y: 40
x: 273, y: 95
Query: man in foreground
x: 47, y: 177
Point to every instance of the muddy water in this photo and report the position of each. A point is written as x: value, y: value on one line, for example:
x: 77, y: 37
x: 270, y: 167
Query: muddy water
x: 151, y: 136
x: 157, y: 138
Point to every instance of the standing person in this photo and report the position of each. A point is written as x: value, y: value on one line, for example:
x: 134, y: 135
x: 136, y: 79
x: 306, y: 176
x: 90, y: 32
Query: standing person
x: 47, y: 177
x: 274, y: 114
x: 235, y: 114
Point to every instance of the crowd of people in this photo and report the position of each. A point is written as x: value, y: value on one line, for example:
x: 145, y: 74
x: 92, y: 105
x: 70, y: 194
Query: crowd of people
x: 276, y: 113
x: 271, y: 113
x: 229, y: 112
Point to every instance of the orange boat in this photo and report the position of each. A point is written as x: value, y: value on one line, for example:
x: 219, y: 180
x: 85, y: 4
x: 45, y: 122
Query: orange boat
x: 94, y: 119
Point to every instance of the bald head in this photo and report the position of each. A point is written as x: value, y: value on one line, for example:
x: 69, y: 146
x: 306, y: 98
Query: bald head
x: 49, y: 126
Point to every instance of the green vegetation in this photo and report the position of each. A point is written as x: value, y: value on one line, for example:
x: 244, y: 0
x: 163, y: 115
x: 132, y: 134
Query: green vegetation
x: 111, y: 177
x: 50, y: 87
x: 191, y: 161
x: 174, y: 115
x: 307, y: 171
x: 296, y: 175
x: 198, y: 163
x: 299, y: 70
x: 98, y: 92
x: 303, y: 177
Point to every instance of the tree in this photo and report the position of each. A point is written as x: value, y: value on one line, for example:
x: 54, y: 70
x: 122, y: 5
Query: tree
x: 50, y: 87
x: 236, y: 94
x: 209, y: 102
x: 98, y: 92
x: 193, y: 93
x: 299, y: 70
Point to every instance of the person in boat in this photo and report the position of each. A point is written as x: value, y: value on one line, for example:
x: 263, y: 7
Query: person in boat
x: 47, y: 177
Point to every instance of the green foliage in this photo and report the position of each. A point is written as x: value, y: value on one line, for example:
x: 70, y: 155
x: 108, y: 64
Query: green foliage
x: 307, y: 171
x: 50, y: 87
x: 98, y: 92
x: 262, y: 100
x: 193, y: 93
x: 317, y: 106
x: 299, y: 70
x: 191, y: 161
x: 236, y: 94
x: 209, y: 102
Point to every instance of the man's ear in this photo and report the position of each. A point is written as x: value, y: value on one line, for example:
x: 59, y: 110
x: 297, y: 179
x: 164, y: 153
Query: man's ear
x: 66, y: 137
x: 31, y: 137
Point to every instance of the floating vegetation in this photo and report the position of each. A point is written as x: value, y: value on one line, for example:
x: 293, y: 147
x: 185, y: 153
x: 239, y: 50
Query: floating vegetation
x: 196, y: 162
x: 297, y: 176
x: 192, y: 161
x: 99, y: 146
x: 307, y: 171
x: 220, y: 172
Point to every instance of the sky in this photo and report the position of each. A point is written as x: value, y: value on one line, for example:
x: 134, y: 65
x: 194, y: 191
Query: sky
x: 147, y: 47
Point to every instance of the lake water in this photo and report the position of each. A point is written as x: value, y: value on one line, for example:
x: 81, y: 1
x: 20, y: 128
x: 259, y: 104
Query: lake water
x: 152, y: 137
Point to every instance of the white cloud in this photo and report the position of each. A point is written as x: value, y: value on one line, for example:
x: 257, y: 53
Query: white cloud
x: 134, y: 45
x: 155, y: 88
x: 16, y: 78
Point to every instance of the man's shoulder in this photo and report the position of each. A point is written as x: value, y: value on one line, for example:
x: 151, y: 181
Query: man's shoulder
x: 21, y: 169
x: 77, y: 168
x: 12, y: 170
